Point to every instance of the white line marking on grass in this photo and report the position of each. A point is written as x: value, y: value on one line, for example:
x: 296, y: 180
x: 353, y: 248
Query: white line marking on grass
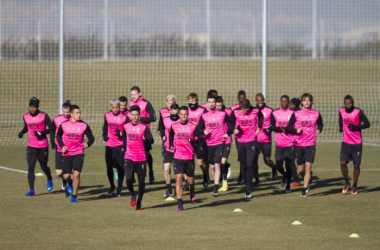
x: 15, y: 170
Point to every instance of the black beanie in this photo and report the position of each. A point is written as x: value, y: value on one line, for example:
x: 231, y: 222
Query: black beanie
x: 34, y: 102
x: 296, y: 101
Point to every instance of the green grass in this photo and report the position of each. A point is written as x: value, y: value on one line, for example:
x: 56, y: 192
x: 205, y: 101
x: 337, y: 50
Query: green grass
x: 98, y: 222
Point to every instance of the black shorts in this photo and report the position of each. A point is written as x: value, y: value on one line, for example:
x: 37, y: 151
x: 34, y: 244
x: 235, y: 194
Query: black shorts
x: 200, y: 150
x: 247, y: 153
x: 265, y: 148
x: 184, y: 167
x: 284, y: 153
x: 226, y: 151
x: 72, y: 163
x: 351, y: 152
x: 305, y: 154
x: 215, y: 154
x: 114, y: 155
x: 34, y: 154
x: 134, y: 166
x: 58, y: 160
x: 168, y: 156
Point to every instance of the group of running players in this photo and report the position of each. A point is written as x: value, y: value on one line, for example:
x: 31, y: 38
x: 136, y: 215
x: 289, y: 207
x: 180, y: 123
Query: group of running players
x: 205, y: 131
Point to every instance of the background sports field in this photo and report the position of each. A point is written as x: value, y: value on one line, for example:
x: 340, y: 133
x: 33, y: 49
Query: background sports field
x: 48, y: 220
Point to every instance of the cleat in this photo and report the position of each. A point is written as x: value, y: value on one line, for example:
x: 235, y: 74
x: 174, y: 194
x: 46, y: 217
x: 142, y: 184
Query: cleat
x: 224, y: 187
x: 241, y: 182
x: 283, y: 182
x: 180, y: 207
x: 311, y: 177
x: 30, y: 193
x: 168, y: 193
x: 296, y: 184
x: 307, y: 189
x: 287, y: 189
x: 256, y: 184
x: 119, y: 191
x: 346, y: 187
x: 67, y: 195
x: 73, y: 200
x: 139, y: 209
x: 151, y: 177
x: 229, y: 171
x: 248, y: 195
x: 205, y: 184
x: 63, y: 187
x: 116, y: 175
x: 303, y: 194
x: 111, y: 191
x: 133, y: 201
x: 186, y: 187
x: 354, y: 190
x: 69, y: 188
x: 274, y: 173
x: 215, y: 191
x: 192, y: 198
x: 49, y: 185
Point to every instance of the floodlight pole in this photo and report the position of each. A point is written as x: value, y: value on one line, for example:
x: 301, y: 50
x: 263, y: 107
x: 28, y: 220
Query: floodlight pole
x: 39, y: 41
x: 0, y: 30
x: 184, y: 38
x: 254, y: 37
x: 61, y: 55
x: 208, y: 29
x: 105, y: 49
x: 322, y: 42
x: 264, y: 54
x: 314, y: 7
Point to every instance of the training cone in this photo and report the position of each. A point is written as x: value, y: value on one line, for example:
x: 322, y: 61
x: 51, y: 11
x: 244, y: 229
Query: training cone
x: 354, y: 236
x: 170, y: 199
x: 238, y: 210
x: 39, y: 174
x: 297, y: 222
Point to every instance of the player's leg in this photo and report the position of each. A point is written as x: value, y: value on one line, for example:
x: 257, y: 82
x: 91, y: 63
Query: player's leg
x: 250, y: 157
x: 129, y: 168
x: 189, y: 169
x: 356, y: 158
x: 119, y: 157
x: 345, y: 157
x: 58, y: 168
x: 110, y: 163
x: 256, y: 167
x: 149, y: 160
x: 77, y: 162
x: 178, y: 171
x: 297, y: 180
x: 43, y: 160
x: 288, y: 166
x: 31, y: 158
x: 141, y: 174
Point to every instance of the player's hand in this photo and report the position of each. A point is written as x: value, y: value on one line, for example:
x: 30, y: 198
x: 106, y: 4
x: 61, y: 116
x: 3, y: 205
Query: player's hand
x: 53, y: 146
x: 118, y: 133
x: 64, y: 149
x: 20, y: 135
x: 318, y: 132
x: 350, y: 127
x: 158, y: 132
x: 282, y: 129
x: 85, y: 145
x: 38, y: 134
x: 143, y: 138
x: 205, y: 132
x: 164, y: 138
x: 122, y: 149
x: 257, y: 131
x: 225, y: 135
x: 236, y: 131
x: 191, y: 141
x: 299, y: 130
x: 171, y: 147
x: 105, y: 138
x: 266, y: 131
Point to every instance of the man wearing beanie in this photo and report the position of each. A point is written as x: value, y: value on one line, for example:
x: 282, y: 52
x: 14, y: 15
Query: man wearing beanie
x: 35, y: 123
x: 295, y: 105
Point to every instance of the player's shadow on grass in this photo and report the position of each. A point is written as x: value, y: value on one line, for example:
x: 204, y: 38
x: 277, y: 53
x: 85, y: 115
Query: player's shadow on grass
x: 186, y: 203
x: 98, y: 192
x: 334, y: 186
x: 60, y: 191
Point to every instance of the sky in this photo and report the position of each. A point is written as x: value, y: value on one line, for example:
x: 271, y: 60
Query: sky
x: 289, y: 21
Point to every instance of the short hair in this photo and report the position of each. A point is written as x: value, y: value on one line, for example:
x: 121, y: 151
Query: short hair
x: 115, y: 101
x: 171, y: 98
x: 259, y: 94
x: 174, y: 106
x: 123, y: 99
x: 66, y: 105
x: 241, y: 92
x: 219, y: 99
x: 73, y: 107
x: 192, y: 96
x: 212, y: 92
x: 307, y: 95
x: 135, y: 108
x: 348, y: 97
x: 245, y: 104
x: 183, y: 108
x: 135, y: 88
x: 285, y: 96
x: 211, y: 97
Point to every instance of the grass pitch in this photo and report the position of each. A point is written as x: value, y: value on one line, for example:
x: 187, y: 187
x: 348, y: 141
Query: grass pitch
x: 48, y: 220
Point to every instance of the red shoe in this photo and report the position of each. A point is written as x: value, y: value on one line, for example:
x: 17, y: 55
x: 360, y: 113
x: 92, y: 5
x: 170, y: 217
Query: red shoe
x: 140, y: 209
x: 296, y: 184
x: 133, y: 201
x: 346, y: 187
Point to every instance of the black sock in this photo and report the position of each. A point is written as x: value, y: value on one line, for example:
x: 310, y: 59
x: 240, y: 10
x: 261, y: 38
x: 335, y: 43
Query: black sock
x: 64, y: 182
x: 130, y: 187
x: 74, y: 196
x: 346, y: 180
x: 141, y: 191
x: 180, y: 202
x: 192, y: 191
x: 149, y: 160
x: 257, y: 179
x: 355, y: 183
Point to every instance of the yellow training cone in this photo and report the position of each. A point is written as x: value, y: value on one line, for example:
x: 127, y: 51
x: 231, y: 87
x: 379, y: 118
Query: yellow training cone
x: 297, y: 222
x: 39, y: 174
x: 354, y: 236
x: 170, y: 199
x: 238, y: 210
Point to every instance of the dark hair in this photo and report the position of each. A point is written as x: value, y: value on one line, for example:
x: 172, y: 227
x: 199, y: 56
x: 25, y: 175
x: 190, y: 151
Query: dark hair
x: 285, y: 96
x: 245, y: 104
x: 211, y: 97
x: 66, y: 105
x: 73, y: 107
x: 219, y: 99
x: 193, y: 96
x: 212, y: 92
x: 123, y: 99
x: 135, y: 88
x: 174, y: 106
x: 348, y: 97
x: 307, y: 95
x: 260, y: 94
x: 241, y: 92
x: 183, y: 108
x: 135, y: 108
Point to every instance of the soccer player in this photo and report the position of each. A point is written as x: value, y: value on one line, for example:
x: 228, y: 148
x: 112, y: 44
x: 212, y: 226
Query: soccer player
x: 307, y: 124
x: 168, y: 154
x: 182, y: 137
x: 147, y: 115
x: 284, y: 140
x: 70, y: 137
x: 225, y: 167
x: 294, y: 105
x: 350, y: 123
x: 245, y: 122
x: 210, y: 92
x: 194, y: 115
x: 54, y: 144
x: 35, y: 123
x: 123, y: 101
x: 213, y: 123
x: 135, y: 134
x: 264, y: 140
x: 114, y: 121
